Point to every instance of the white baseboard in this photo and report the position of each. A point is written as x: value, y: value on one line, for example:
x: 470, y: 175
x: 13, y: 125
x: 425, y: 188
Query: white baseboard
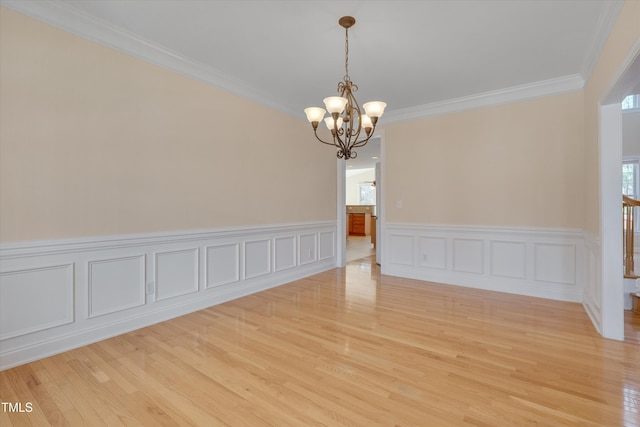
x: 538, y: 262
x: 62, y: 294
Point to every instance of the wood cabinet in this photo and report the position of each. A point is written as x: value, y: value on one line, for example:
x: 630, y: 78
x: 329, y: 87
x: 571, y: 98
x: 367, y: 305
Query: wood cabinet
x: 359, y: 224
x: 373, y: 231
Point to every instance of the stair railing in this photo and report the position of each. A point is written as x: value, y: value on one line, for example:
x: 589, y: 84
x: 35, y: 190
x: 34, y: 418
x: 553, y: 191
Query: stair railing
x: 628, y: 208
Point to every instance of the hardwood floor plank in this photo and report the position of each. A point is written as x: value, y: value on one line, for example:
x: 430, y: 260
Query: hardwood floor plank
x: 348, y: 347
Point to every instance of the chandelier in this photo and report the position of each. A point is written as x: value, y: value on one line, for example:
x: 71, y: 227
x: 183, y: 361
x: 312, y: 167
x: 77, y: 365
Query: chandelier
x: 346, y: 120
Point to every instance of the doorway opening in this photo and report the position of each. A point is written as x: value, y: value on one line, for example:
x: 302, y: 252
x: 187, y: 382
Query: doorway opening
x: 361, y: 202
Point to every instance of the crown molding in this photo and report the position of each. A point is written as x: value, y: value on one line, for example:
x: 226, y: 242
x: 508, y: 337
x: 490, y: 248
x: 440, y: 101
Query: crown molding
x: 67, y: 18
x: 607, y: 19
x: 567, y: 84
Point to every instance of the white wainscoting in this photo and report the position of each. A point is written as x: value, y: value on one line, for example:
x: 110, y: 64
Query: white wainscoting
x: 592, y: 284
x: 62, y: 294
x: 540, y: 262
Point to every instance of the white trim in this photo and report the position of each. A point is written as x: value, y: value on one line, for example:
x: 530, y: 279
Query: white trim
x: 625, y: 80
x: 611, y: 280
x: 66, y: 290
x: 61, y: 246
x: 606, y: 20
x: 547, y: 263
x: 610, y: 155
x: 66, y: 17
x: 137, y: 307
x: 341, y: 211
x: 567, y: 84
x: 380, y: 203
x: 592, y: 287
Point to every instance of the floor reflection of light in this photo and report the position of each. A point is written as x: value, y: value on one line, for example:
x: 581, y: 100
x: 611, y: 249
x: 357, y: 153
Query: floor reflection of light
x: 346, y: 347
x: 631, y: 402
x: 360, y: 288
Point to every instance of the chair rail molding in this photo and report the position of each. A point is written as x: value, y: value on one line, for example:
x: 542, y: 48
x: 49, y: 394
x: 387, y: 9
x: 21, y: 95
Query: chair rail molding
x: 61, y: 294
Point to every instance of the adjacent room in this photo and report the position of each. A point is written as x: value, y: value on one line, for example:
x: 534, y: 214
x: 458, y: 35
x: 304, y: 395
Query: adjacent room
x: 319, y: 213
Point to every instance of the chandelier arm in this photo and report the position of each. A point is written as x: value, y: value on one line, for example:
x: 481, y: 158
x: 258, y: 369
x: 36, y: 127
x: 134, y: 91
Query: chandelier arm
x: 341, y: 144
x: 363, y: 142
x: 328, y: 143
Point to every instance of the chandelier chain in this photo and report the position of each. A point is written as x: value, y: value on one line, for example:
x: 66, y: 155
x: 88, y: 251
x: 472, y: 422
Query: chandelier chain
x: 346, y: 55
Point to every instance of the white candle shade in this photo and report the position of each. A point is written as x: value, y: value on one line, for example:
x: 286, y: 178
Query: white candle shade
x: 335, y: 104
x: 314, y: 114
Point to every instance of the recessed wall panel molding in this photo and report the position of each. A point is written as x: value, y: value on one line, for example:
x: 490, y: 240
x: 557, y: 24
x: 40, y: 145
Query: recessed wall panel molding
x: 555, y: 263
x: 60, y: 294
x: 257, y: 258
x: 223, y: 264
x: 468, y: 255
x: 35, y: 299
x: 308, y: 248
x: 116, y: 284
x: 508, y: 259
x: 542, y: 262
x: 401, y: 249
x: 285, y: 252
x: 176, y: 273
x: 433, y: 252
x: 327, y: 245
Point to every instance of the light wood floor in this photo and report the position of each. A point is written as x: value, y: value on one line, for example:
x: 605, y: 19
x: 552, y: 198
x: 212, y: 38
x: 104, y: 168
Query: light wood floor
x: 345, y: 347
x: 360, y: 247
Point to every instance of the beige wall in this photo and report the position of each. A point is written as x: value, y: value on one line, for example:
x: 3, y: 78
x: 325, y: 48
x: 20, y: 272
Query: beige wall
x: 94, y: 142
x: 517, y: 164
x: 624, y: 34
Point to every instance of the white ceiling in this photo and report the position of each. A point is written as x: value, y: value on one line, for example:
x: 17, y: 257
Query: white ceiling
x: 414, y: 55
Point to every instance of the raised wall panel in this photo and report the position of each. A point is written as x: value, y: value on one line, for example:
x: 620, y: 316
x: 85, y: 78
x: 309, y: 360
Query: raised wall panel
x: 257, y: 258
x: 116, y: 284
x: 468, y: 255
x: 35, y: 299
x: 509, y: 259
x: 176, y: 273
x: 308, y: 244
x: 433, y: 252
x: 285, y: 253
x: 327, y: 245
x: 555, y: 263
x: 223, y: 264
x: 401, y: 249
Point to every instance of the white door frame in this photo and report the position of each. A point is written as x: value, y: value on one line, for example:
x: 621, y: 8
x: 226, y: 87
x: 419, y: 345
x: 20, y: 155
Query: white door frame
x: 626, y: 80
x: 341, y: 211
